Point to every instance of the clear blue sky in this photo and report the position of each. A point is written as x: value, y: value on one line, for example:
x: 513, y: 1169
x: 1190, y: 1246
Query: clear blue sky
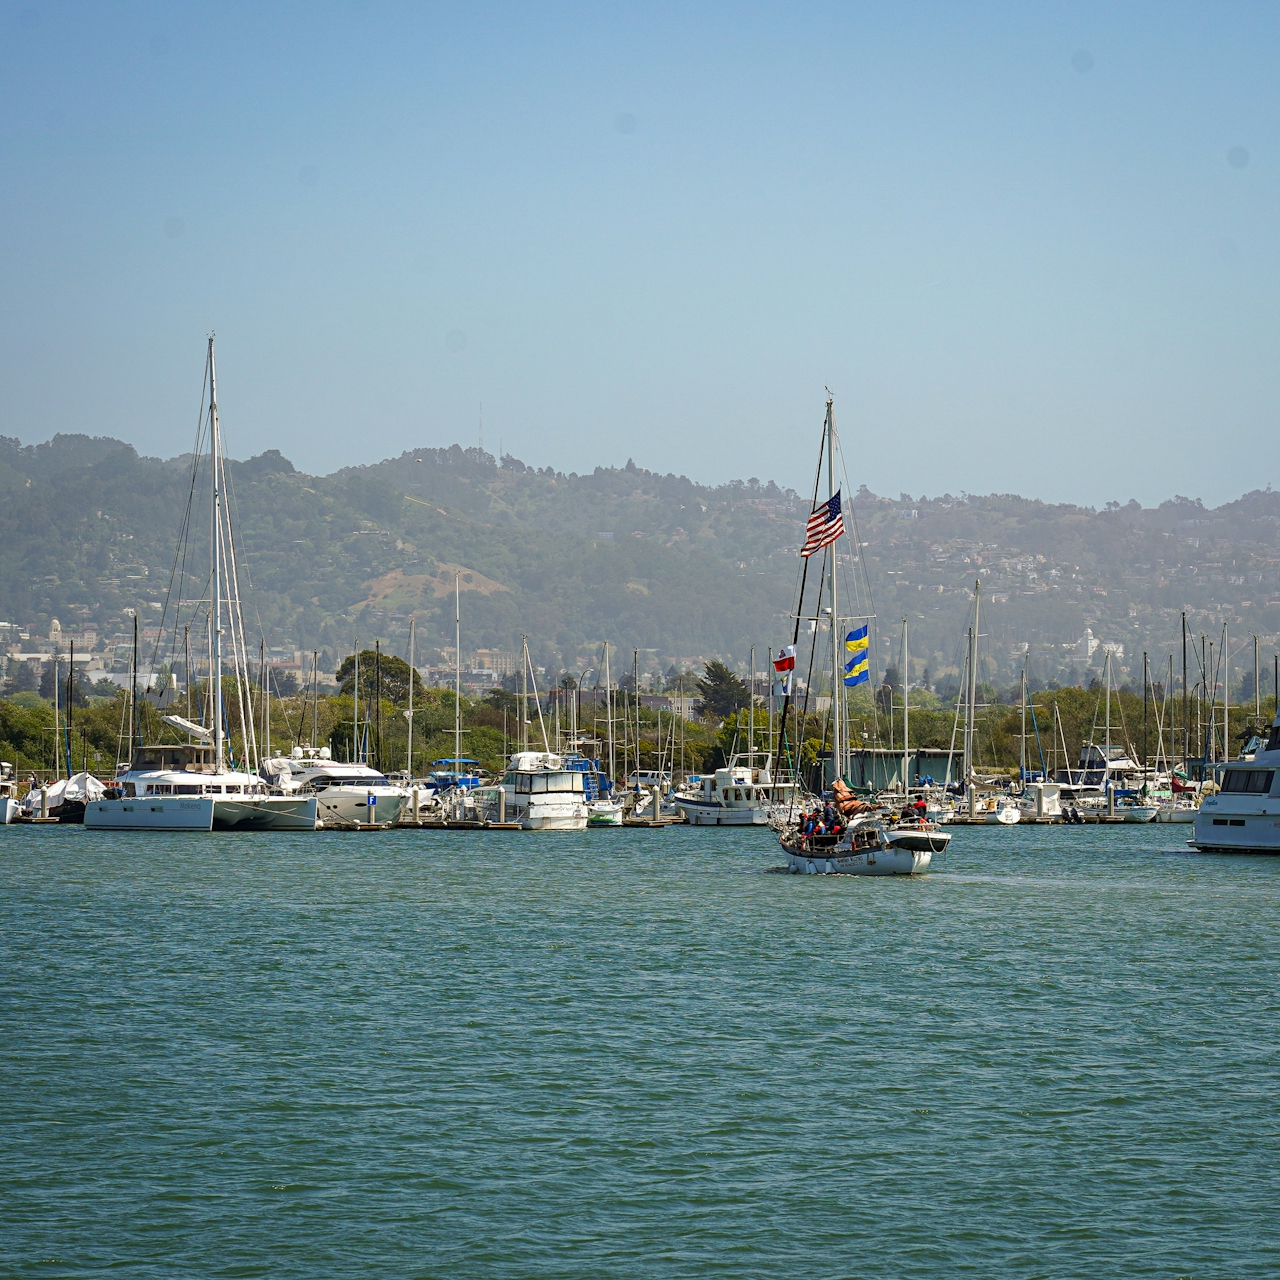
x: 1031, y: 247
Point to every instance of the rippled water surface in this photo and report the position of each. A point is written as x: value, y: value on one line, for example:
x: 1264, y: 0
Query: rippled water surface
x: 630, y: 1054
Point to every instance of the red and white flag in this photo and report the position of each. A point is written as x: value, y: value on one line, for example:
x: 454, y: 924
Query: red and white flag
x: 825, y: 525
x: 786, y: 659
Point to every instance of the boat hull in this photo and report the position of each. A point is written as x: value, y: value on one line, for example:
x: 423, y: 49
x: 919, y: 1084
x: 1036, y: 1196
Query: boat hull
x: 202, y: 813
x: 863, y: 862
x: 1183, y: 816
x: 700, y: 813
x: 1246, y: 833
x: 339, y: 806
x: 918, y: 840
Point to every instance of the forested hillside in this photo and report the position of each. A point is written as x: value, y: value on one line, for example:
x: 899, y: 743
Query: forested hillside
x: 678, y: 570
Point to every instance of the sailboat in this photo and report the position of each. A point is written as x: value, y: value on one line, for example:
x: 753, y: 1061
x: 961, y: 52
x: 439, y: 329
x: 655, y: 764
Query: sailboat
x: 859, y: 844
x: 190, y: 786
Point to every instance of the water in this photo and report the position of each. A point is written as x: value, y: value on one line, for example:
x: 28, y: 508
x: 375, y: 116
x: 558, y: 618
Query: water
x: 630, y: 1054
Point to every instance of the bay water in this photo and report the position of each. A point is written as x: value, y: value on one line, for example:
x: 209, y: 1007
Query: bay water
x: 635, y: 1053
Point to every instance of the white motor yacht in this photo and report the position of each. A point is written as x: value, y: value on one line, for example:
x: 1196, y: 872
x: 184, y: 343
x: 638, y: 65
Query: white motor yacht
x: 542, y: 795
x: 347, y: 795
x: 740, y: 794
x: 9, y: 803
x: 1244, y: 817
x: 180, y: 788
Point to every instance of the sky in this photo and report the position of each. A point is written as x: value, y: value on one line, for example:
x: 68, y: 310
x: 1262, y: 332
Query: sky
x: 1029, y: 248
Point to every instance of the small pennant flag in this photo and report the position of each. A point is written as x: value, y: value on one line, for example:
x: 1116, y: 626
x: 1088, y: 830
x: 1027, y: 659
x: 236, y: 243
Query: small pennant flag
x: 825, y: 525
x: 782, y: 685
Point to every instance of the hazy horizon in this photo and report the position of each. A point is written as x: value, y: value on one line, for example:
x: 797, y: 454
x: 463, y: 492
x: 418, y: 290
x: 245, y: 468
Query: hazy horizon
x: 1030, y: 249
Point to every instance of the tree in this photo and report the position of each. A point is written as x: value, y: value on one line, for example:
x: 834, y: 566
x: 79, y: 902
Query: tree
x: 720, y: 692
x: 22, y: 679
x: 395, y: 677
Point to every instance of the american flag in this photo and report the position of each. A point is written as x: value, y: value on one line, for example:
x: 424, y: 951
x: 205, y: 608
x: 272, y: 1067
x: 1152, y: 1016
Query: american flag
x: 826, y: 524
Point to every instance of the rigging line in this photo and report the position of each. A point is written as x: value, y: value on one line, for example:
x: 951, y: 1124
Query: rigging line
x: 180, y: 551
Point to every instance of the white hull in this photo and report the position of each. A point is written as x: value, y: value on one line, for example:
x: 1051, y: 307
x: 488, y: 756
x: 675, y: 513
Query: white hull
x: 917, y: 840
x: 1139, y: 813
x: 1250, y: 833
x: 548, y: 820
x: 701, y: 813
x: 202, y: 813
x: 8, y: 810
x: 1007, y: 816
x: 1184, y: 816
x: 339, y: 807
x: 604, y: 815
x: 866, y: 862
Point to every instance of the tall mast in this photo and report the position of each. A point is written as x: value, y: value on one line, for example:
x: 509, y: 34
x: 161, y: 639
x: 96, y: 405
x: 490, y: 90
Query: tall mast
x: 457, y: 673
x: 906, y: 722
x: 377, y: 704
x: 1146, y: 686
x: 837, y: 744
x: 1257, y: 692
x: 973, y: 685
x: 608, y: 714
x: 1022, y: 753
x: 635, y: 693
x: 1106, y: 777
x: 524, y: 693
x: 1186, y: 721
x: 315, y: 697
x: 1226, y: 694
x: 266, y: 696
x: 409, y: 760
x: 355, y: 705
x: 215, y: 453
x: 57, y: 726
x: 751, y: 730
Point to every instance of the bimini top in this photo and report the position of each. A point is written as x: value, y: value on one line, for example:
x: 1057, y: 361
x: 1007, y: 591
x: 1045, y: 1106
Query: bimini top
x: 452, y: 761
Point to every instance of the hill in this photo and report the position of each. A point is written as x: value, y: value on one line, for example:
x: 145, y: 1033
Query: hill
x: 679, y: 570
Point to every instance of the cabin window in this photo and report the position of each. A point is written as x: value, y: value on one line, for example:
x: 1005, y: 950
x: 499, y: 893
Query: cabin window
x: 231, y: 791
x: 523, y: 783
x: 183, y: 790
x: 213, y: 791
x: 1252, y: 781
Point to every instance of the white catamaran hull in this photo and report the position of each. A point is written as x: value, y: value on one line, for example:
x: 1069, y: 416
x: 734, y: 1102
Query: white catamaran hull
x: 203, y: 813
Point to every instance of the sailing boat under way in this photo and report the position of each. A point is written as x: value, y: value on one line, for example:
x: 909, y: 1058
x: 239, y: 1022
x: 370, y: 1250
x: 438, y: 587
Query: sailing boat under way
x: 847, y: 837
x: 188, y: 786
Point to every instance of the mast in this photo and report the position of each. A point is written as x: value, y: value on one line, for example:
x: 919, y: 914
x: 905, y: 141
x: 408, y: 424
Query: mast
x: 837, y: 744
x: 315, y: 698
x: 215, y: 471
x: 186, y: 648
x: 1022, y: 752
x: 524, y: 693
x: 409, y: 763
x: 457, y: 674
x: 1146, y: 686
x: 1186, y: 722
x: 266, y: 697
x: 377, y: 704
x: 133, y: 687
x: 970, y: 711
x: 57, y: 720
x: 608, y: 714
x: 1257, y: 692
x: 906, y: 722
x: 635, y: 693
x: 355, y: 705
x: 1226, y: 695
x: 751, y: 730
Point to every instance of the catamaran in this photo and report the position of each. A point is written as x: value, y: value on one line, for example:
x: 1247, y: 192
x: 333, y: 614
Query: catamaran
x: 190, y: 786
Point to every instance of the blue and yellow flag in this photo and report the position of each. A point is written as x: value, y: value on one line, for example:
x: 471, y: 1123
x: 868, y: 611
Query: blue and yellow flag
x: 858, y: 669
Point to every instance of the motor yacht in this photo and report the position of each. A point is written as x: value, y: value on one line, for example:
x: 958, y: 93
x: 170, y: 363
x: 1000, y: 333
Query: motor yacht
x: 346, y: 795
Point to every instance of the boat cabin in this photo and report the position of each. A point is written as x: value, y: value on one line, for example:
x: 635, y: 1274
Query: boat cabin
x: 185, y: 757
